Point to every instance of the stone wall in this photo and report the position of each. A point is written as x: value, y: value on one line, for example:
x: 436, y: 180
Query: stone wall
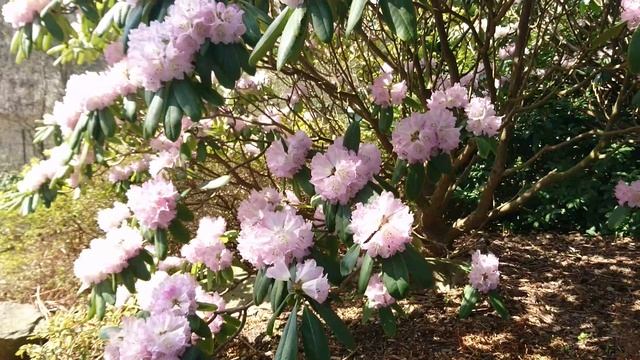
x: 27, y: 91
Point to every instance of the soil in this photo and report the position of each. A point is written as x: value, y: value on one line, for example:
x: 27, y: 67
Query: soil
x: 570, y: 297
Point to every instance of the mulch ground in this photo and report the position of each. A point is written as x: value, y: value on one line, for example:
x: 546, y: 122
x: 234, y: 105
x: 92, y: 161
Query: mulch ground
x: 570, y: 297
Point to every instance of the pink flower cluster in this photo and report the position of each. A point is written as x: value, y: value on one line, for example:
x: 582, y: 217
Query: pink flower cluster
x: 482, y: 117
x: 484, y: 275
x: 339, y: 173
x: 207, y: 247
x: 423, y: 135
x: 628, y: 194
x: 45, y: 170
x: 377, y: 295
x: 119, y: 173
x: 309, y: 277
x: 109, y: 255
x: 386, y: 93
x: 162, y: 51
x: 214, y: 299
x: 176, y: 294
x: 453, y: 97
x: 160, y: 336
x: 112, y: 218
x: 153, y: 203
x: 285, y: 163
x: 270, y: 232
x: 631, y: 13
x: 382, y: 226
x: 19, y: 13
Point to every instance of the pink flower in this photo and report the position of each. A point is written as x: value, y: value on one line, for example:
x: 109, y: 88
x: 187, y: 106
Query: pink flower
x: 310, y: 278
x: 145, y: 289
x: 114, y: 52
x: 484, y: 275
x: 153, y: 203
x: 176, y: 294
x: 252, y: 209
x: 482, y: 117
x: 385, y: 93
x: 155, y: 55
x: 19, y: 13
x: 107, y: 256
x: 377, y: 295
x: 171, y: 263
x: 161, y: 336
x: 382, y: 227
x: 631, y: 13
x: 453, y: 97
x: 286, y: 163
x: 339, y: 174
x: 167, y: 159
x: 207, y: 247
x: 628, y: 194
x: 423, y: 135
x: 292, y: 3
x: 278, y: 235
x: 119, y: 173
x: 214, y: 299
x: 112, y: 218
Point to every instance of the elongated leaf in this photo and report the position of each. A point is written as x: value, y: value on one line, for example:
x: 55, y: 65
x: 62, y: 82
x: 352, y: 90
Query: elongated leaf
x: 617, y: 216
x: 419, y: 268
x: 100, y: 306
x: 107, y: 122
x: 343, y: 218
x: 53, y: 27
x: 399, y: 172
x: 322, y: 19
x: 252, y: 34
x: 415, y: 181
x: 395, y: 276
x: 330, y: 215
x: 607, y: 35
x: 139, y: 268
x: 335, y: 324
x: 217, y: 183
x: 349, y: 260
x: 316, y: 344
x: 486, y: 146
x: 302, y: 179
x: 288, y: 346
x: 438, y: 166
x: 355, y: 13
x: 227, y: 63
x: 161, y: 244
x: 268, y: 39
x: 498, y: 305
x: 199, y: 326
x: 178, y: 231
x: 634, y: 52
x: 352, y: 136
x: 134, y: 17
x: 209, y: 94
x: 183, y: 213
x: 289, y: 35
x: 388, y: 321
x: 188, y: 99
x: 365, y: 273
x: 470, y: 297
x: 386, y: 119
x: 400, y: 15
x: 278, y: 294
x: 155, y: 113
x: 261, y: 287
x: 173, y: 119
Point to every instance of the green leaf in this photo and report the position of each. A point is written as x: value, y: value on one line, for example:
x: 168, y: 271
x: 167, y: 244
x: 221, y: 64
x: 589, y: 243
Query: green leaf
x: 352, y: 136
x: 415, y: 181
x: 105, y: 331
x: 278, y: 293
x: 178, y: 231
x: 330, y: 265
x: 209, y: 94
x: 133, y: 20
x: 53, y: 27
x: 252, y: 34
x: 161, y: 243
x: 438, y: 166
x: 634, y: 52
x: 268, y: 39
x: 365, y: 273
x: 388, y: 321
x: 199, y: 326
x: 128, y: 280
x: 100, y: 306
x: 188, y: 99
x: 400, y: 15
x: 386, y: 119
x: 289, y: 36
x: 302, y: 179
x: 139, y: 268
x: 635, y: 101
x: 107, y: 122
x: 498, y: 305
x: 106, y: 290
x: 183, y: 213
x: 355, y: 13
x: 419, y: 268
x: 335, y: 324
x: 608, y: 34
x: 261, y: 287
x: 194, y: 353
x: 272, y: 321
x: 343, y: 218
x: 314, y: 340
x: 399, y: 171
x: 155, y: 112
x: 129, y: 106
x: 173, y: 118
x: 227, y: 63
x: 470, y: 297
x: 321, y: 19
x: 395, y: 275
x: 217, y: 183
x: 349, y: 260
x: 486, y: 146
x: 330, y: 210
x: 288, y: 346
x: 617, y: 216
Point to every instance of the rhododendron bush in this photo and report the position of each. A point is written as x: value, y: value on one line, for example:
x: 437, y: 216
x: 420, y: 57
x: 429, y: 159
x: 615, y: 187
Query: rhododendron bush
x: 308, y: 146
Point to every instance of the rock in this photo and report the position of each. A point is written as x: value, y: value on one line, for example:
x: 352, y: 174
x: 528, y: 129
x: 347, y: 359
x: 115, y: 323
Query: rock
x: 17, y: 322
